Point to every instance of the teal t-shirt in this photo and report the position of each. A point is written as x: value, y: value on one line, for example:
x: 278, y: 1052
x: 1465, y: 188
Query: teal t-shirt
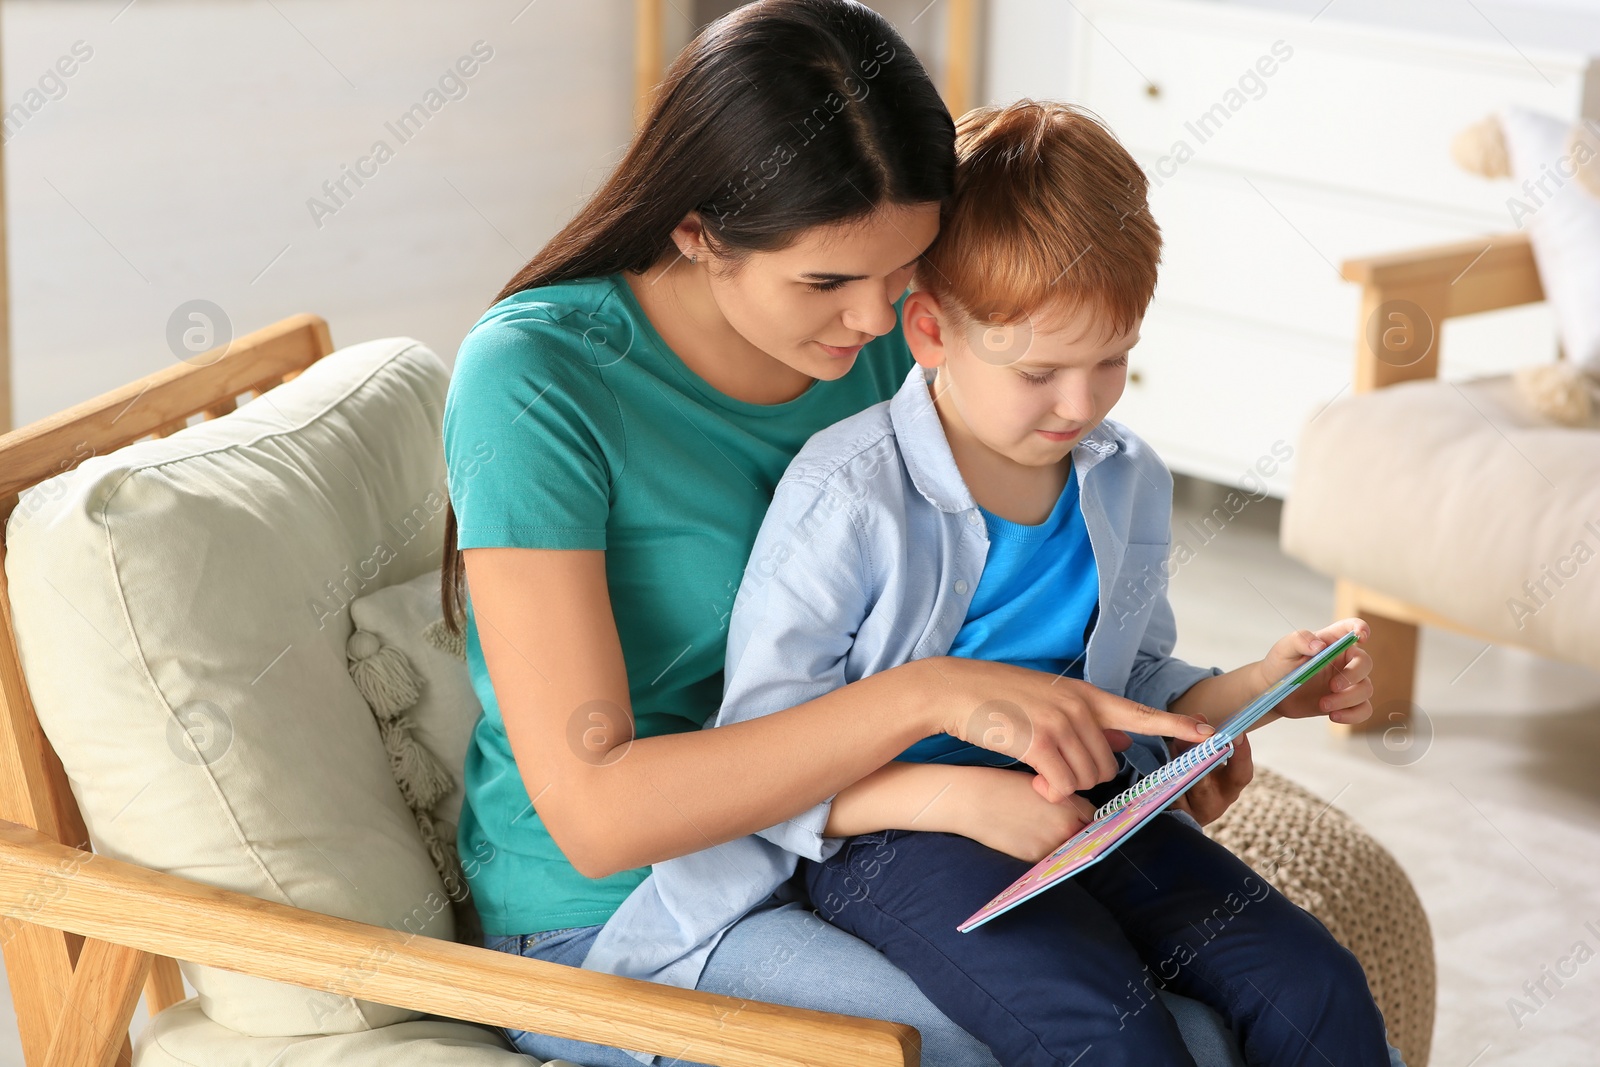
x: 569, y: 423
x: 1036, y: 599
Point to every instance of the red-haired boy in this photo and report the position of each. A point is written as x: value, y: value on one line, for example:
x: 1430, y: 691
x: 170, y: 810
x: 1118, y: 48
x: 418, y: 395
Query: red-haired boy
x: 996, y: 513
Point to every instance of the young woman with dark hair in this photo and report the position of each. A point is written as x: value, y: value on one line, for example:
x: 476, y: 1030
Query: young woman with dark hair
x: 615, y: 426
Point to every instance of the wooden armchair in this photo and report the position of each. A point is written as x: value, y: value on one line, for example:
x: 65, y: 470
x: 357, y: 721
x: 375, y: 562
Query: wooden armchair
x: 84, y: 934
x: 1405, y: 299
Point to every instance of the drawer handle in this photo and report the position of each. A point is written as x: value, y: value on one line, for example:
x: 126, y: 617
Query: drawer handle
x: 1152, y: 90
x: 1135, y: 377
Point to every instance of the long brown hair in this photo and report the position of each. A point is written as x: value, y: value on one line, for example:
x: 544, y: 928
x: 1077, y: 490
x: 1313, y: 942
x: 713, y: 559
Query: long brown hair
x: 780, y: 116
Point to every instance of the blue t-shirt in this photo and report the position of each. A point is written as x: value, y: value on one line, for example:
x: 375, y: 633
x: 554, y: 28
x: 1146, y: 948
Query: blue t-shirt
x: 1033, y: 607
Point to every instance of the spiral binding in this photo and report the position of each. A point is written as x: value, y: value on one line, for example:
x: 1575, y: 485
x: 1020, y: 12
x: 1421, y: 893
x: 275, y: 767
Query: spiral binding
x: 1235, y: 726
x: 1177, y: 768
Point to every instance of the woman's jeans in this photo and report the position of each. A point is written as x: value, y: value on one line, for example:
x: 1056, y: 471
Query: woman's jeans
x: 786, y: 955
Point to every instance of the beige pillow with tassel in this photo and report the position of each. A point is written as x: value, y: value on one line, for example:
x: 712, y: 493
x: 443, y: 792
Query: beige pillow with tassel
x: 180, y: 614
x: 413, y: 675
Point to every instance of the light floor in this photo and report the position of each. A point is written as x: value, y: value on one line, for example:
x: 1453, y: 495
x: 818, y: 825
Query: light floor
x: 1496, y: 817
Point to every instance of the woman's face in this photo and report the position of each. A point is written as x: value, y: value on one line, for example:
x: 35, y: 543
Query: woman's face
x: 812, y: 305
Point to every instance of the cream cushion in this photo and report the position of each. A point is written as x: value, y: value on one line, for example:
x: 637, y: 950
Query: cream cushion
x: 181, y: 614
x: 1456, y: 497
x: 182, y: 1036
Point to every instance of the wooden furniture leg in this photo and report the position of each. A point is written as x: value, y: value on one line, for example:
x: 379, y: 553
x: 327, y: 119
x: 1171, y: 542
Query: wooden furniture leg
x: 1405, y: 299
x: 649, y: 20
x: 164, y: 987
x: 960, y: 57
x: 1393, y: 648
x: 93, y: 1030
x: 5, y: 308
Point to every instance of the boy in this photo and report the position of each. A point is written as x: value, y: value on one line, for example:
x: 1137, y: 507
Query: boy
x: 995, y: 513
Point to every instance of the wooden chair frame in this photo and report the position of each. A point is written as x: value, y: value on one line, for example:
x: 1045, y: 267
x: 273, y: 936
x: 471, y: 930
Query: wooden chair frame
x: 83, y: 934
x: 1444, y: 281
x: 961, y: 62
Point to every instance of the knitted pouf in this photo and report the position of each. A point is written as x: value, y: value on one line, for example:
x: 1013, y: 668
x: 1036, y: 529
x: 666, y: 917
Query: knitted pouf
x: 1323, y: 861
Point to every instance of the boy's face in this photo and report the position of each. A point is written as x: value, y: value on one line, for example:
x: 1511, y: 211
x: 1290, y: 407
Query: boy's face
x: 1028, y: 392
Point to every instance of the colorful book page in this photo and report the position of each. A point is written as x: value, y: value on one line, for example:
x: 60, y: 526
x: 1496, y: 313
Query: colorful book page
x: 1097, y: 840
x: 1120, y: 817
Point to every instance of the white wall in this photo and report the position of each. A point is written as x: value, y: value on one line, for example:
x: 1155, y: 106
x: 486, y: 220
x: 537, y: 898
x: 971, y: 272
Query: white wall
x: 179, y: 162
x: 1028, y: 40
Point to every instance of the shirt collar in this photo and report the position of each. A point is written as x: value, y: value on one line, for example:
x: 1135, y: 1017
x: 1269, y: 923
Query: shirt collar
x: 926, y: 452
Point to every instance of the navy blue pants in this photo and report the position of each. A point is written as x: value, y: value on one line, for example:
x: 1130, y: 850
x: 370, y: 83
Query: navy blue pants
x: 1070, y: 976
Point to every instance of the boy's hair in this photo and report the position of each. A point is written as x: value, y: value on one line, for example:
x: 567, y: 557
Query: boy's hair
x: 1049, y: 215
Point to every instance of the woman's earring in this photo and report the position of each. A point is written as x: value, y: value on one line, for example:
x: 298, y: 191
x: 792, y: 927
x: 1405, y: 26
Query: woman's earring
x: 694, y: 257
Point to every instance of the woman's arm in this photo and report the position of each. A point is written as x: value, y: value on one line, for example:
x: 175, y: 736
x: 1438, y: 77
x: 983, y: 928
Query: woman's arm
x: 612, y: 803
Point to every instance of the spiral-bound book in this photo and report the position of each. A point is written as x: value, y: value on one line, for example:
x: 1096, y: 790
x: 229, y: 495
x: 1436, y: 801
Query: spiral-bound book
x: 1119, y: 818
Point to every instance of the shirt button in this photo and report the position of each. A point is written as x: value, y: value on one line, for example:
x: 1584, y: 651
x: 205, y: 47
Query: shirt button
x: 961, y: 587
x: 972, y: 517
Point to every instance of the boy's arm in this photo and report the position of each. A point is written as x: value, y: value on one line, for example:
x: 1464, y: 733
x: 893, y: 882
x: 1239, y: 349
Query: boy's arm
x: 1220, y: 695
x: 902, y: 795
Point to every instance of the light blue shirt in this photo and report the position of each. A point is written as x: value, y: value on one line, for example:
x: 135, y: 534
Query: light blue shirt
x: 868, y: 558
x: 1032, y: 608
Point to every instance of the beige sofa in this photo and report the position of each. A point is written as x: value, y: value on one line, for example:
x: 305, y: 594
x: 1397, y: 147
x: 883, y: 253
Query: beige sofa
x: 1446, y: 503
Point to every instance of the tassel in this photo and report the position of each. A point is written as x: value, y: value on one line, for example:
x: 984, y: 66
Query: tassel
x: 445, y: 641
x: 1561, y: 392
x: 1481, y: 149
x: 389, y: 685
x: 383, y: 674
x: 440, y: 839
x: 442, y: 849
x: 422, y: 779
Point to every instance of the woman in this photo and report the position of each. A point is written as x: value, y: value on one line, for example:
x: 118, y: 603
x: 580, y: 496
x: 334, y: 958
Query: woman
x: 615, y: 425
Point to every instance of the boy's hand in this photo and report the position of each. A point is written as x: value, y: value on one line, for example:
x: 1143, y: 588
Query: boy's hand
x: 1007, y: 811
x: 1341, y: 690
x: 1214, y: 794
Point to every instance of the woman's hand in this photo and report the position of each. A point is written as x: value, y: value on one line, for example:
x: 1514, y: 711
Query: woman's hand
x: 1064, y: 728
x: 1214, y: 794
x: 1005, y: 810
x: 1342, y: 690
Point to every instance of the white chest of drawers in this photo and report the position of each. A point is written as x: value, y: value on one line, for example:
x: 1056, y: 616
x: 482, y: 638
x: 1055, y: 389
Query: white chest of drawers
x: 1277, y: 147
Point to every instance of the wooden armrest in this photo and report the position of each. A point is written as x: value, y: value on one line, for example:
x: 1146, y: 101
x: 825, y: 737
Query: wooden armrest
x: 1406, y: 296
x: 50, y: 884
x: 1505, y: 252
